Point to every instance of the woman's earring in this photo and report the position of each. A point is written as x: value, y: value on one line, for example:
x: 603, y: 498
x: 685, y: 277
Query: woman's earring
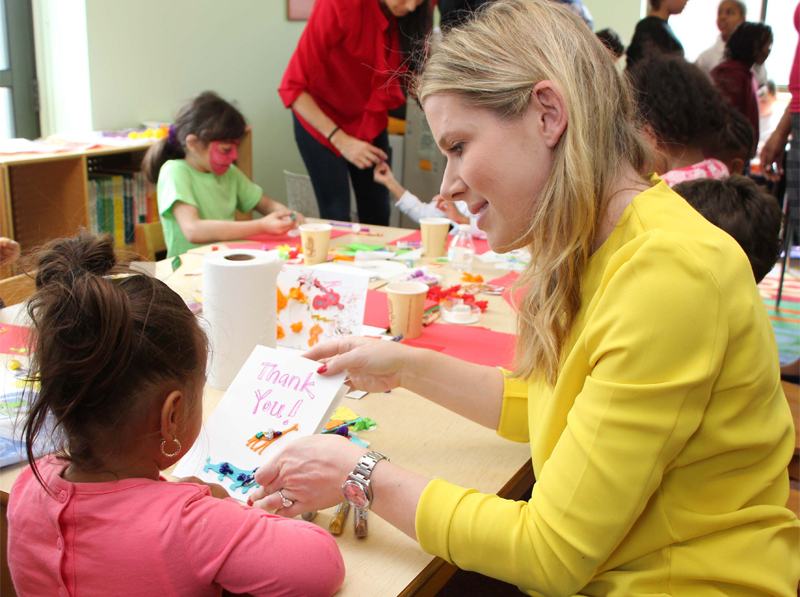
x: 177, y: 450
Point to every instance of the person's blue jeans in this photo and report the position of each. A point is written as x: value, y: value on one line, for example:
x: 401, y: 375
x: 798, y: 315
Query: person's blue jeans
x: 331, y: 176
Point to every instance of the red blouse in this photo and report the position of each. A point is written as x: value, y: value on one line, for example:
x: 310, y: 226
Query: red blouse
x: 348, y: 59
x: 736, y: 82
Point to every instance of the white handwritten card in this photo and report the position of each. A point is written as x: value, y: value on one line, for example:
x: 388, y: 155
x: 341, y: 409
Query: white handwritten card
x: 315, y: 306
x: 275, y: 391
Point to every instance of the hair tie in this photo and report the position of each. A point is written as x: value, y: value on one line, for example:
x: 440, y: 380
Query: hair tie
x: 172, y: 138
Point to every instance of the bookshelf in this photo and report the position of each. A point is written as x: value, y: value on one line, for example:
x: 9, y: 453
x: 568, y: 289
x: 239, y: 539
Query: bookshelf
x: 46, y: 196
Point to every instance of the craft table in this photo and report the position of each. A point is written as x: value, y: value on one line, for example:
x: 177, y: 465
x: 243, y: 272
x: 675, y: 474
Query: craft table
x: 412, y: 431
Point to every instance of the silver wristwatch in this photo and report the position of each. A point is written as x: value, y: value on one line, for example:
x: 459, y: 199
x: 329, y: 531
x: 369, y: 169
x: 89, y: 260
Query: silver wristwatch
x: 357, y: 488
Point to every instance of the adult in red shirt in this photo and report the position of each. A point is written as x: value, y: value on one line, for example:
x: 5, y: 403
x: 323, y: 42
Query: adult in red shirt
x: 341, y: 82
x: 748, y: 45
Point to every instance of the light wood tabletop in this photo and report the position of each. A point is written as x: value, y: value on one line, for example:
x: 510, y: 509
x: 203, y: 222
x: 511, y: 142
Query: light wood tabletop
x: 414, y: 432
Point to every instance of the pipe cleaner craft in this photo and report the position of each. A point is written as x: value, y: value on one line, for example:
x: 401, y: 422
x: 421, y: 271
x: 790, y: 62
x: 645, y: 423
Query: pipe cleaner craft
x: 242, y: 479
x: 262, y: 439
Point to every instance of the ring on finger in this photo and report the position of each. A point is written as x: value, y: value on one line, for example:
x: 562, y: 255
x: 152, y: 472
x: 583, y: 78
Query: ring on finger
x: 287, y: 503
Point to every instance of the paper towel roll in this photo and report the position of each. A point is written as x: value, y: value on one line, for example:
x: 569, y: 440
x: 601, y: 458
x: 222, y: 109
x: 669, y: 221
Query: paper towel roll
x: 240, y: 306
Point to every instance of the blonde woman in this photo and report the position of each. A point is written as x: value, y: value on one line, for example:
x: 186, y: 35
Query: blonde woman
x: 647, y: 376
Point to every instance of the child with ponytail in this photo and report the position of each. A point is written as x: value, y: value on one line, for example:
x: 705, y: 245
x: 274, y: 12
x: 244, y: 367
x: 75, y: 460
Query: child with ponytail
x: 199, y: 186
x: 121, y: 364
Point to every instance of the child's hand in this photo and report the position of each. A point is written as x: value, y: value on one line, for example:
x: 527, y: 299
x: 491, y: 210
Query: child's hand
x: 217, y: 491
x: 9, y: 251
x: 450, y: 210
x: 383, y: 174
x: 298, y: 219
x: 278, y: 222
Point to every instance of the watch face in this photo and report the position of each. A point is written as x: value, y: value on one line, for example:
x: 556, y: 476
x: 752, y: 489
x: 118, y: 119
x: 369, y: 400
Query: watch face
x: 355, y: 495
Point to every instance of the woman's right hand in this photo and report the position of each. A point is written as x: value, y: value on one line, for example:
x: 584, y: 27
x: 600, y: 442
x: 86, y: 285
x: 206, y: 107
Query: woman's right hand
x: 372, y: 365
x: 772, y: 156
x: 358, y: 152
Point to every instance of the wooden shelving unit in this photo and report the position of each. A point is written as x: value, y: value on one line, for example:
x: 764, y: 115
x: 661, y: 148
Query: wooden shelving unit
x: 45, y: 196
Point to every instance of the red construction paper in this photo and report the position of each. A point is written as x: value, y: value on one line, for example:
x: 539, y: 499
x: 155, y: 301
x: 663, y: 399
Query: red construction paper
x: 481, y: 245
x: 14, y: 336
x: 273, y: 241
x: 376, y: 312
x: 507, y: 281
x: 476, y: 345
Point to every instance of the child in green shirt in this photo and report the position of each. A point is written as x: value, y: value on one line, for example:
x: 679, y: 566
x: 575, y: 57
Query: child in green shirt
x: 199, y: 186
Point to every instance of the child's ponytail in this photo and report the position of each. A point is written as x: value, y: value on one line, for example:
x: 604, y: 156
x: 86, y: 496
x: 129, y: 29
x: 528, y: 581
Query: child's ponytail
x: 160, y: 153
x: 208, y: 117
x: 106, y: 341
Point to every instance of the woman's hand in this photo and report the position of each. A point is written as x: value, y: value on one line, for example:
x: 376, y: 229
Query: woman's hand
x: 217, y: 491
x: 372, y: 365
x: 358, y: 152
x: 772, y: 157
x: 278, y: 222
x: 309, y: 471
x: 9, y: 251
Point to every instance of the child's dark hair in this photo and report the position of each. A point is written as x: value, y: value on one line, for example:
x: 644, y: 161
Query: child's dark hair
x: 744, y: 210
x: 746, y: 41
x: 678, y: 101
x: 104, y: 347
x: 736, y: 140
x: 207, y: 116
x: 612, y: 41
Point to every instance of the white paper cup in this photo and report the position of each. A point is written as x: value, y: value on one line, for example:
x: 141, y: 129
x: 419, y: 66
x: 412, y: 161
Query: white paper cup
x: 315, y: 239
x: 406, y: 307
x: 434, y: 236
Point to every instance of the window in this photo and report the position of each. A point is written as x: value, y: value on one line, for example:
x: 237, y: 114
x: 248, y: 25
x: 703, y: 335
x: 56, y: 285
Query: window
x: 696, y: 27
x: 19, y: 110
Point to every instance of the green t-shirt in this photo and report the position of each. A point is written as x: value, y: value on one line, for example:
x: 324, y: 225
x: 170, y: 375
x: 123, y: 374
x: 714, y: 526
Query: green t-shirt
x: 215, y: 197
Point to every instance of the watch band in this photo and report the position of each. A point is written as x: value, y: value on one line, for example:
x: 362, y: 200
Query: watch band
x: 363, y: 471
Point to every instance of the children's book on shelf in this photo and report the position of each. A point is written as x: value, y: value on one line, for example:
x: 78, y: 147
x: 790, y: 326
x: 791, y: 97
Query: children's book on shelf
x: 119, y: 199
x: 276, y: 397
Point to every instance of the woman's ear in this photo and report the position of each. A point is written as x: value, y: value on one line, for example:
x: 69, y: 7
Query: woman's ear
x: 170, y: 415
x: 550, y: 110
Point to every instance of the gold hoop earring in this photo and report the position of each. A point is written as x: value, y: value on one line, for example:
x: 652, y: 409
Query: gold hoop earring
x: 177, y: 450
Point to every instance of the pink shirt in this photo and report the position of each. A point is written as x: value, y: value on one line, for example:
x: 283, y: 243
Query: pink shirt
x: 709, y: 168
x: 140, y: 537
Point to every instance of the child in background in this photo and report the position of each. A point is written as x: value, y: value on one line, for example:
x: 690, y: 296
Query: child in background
x: 749, y: 45
x: 767, y: 119
x: 199, y: 186
x: 682, y: 115
x: 121, y: 362
x: 653, y: 36
x: 735, y: 145
x: 730, y: 13
x: 415, y: 209
x: 744, y: 210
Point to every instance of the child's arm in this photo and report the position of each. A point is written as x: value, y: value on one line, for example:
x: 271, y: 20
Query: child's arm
x: 247, y: 550
x: 407, y: 202
x: 200, y: 231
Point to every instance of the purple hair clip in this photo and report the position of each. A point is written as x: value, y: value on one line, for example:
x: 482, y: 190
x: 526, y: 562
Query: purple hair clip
x: 172, y: 137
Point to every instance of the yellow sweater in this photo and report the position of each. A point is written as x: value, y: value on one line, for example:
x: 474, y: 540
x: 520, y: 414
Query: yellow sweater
x: 661, y: 454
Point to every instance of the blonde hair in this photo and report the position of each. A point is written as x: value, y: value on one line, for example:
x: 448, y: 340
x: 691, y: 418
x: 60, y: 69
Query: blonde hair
x: 493, y: 62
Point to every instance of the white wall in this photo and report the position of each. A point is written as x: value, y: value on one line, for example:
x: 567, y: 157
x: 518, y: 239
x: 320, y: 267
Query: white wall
x: 148, y: 56
x: 621, y: 15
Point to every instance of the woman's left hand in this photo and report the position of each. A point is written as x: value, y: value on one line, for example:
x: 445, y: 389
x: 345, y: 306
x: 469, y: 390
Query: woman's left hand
x: 309, y: 472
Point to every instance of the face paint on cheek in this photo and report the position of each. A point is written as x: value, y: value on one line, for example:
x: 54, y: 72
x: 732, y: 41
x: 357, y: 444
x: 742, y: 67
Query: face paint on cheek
x: 220, y: 162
